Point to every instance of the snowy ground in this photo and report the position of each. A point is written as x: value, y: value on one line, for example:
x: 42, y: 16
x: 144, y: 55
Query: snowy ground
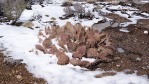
x: 20, y: 41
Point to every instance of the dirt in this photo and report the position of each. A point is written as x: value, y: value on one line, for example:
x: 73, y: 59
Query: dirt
x: 117, y: 18
x: 144, y: 23
x: 144, y: 7
x: 131, y: 51
x: 16, y: 74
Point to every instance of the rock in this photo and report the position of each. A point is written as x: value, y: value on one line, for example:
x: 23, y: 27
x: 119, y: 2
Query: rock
x: 138, y: 59
x: 120, y: 50
x: 28, y: 24
x: 105, y: 74
x: 129, y: 72
x: 1, y: 36
x: 37, y: 27
x: 118, y: 65
x: 145, y: 32
x: 19, y: 77
x: 12, y: 62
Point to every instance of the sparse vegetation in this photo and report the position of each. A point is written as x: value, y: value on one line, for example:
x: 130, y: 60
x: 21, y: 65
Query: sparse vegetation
x: 53, y: 22
x: 67, y: 3
x: 77, y: 11
x: 13, y: 9
x: 36, y: 16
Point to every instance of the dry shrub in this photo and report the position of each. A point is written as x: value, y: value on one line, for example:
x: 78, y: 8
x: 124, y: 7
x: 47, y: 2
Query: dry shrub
x: 81, y: 42
x: 13, y: 9
x: 77, y: 11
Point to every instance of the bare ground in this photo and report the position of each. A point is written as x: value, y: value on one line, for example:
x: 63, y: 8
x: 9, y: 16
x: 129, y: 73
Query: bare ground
x: 16, y: 74
x: 131, y: 51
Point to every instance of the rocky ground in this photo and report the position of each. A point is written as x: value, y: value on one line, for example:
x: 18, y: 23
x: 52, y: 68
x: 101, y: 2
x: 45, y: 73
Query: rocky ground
x: 131, y: 50
x: 16, y: 74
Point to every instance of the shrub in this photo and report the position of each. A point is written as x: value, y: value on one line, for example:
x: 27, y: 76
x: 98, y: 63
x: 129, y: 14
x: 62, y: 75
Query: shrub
x: 53, y: 22
x: 53, y: 18
x: 78, y: 8
x: 67, y: 3
x: 49, y: 1
x: 69, y: 11
x: 78, y: 11
x: 36, y: 16
x: 13, y: 9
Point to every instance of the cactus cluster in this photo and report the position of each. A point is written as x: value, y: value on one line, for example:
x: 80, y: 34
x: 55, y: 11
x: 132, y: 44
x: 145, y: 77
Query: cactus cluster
x: 82, y: 42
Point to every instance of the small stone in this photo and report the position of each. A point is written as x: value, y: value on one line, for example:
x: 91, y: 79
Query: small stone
x: 138, y: 59
x: 37, y: 27
x: 120, y: 50
x: 1, y: 36
x: 105, y: 74
x: 117, y: 58
x: 129, y: 72
x: 145, y: 32
x: 118, y: 65
x: 28, y: 24
x: 19, y: 77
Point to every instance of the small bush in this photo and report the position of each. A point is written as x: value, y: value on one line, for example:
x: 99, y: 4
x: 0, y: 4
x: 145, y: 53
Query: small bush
x: 12, y: 9
x: 78, y: 11
x: 67, y: 3
x: 69, y: 11
x: 53, y: 18
x: 36, y: 16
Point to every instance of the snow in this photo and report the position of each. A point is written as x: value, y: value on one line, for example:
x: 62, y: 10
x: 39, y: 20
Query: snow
x: 56, y: 11
x: 19, y: 42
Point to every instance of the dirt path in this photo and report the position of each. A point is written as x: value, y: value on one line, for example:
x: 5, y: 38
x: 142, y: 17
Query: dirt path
x: 16, y: 74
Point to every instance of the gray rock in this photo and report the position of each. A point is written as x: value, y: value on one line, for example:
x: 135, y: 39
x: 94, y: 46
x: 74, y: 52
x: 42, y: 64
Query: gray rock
x: 120, y: 50
x: 12, y: 62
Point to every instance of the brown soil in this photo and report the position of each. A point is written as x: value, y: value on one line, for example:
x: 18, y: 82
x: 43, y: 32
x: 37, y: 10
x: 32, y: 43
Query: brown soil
x: 144, y: 23
x: 145, y: 8
x: 136, y: 50
x: 16, y: 74
x: 117, y: 18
